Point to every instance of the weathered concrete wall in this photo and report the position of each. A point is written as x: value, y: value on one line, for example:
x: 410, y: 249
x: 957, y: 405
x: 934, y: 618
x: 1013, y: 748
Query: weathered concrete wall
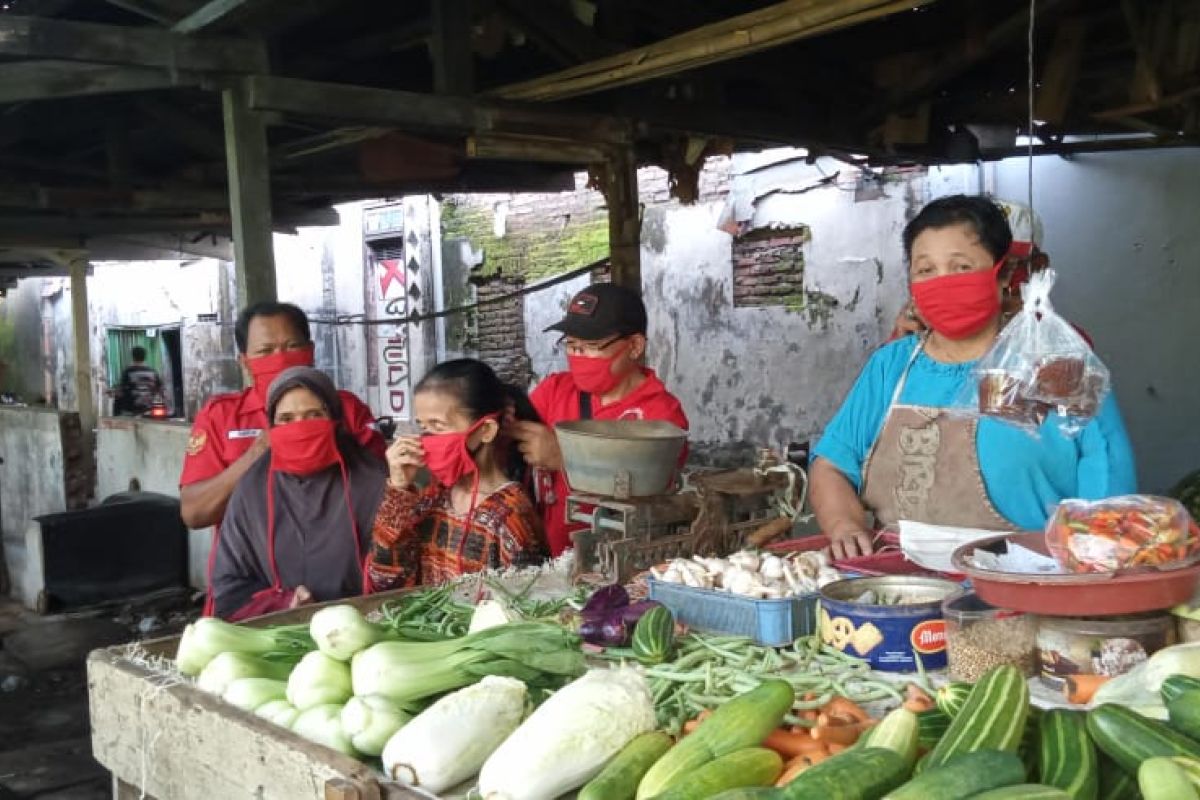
x: 769, y: 376
x: 1121, y: 230
x: 21, y: 373
x: 33, y: 480
x: 150, y: 454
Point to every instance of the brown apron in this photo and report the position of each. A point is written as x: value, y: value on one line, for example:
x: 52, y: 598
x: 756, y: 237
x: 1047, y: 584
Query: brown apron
x: 924, y: 467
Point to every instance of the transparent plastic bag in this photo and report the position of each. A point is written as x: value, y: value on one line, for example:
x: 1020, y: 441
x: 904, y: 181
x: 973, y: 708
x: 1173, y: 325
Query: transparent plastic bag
x: 1135, y: 530
x: 1040, y: 366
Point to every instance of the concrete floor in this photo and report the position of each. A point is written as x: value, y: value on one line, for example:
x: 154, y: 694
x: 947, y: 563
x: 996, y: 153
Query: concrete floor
x: 45, y: 744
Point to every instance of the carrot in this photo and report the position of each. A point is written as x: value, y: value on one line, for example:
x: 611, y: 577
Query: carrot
x: 917, y: 699
x: 790, y: 744
x: 1082, y: 688
x: 841, y: 734
x: 796, y: 766
x: 845, y: 707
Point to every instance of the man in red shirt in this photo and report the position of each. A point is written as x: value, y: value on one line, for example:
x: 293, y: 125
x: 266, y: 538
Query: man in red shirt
x: 604, y: 333
x: 230, y: 432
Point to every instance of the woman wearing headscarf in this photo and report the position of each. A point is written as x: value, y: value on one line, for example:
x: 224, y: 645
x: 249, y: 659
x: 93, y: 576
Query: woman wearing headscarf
x: 298, y: 526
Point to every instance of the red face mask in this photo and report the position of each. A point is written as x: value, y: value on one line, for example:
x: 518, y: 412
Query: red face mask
x: 594, y: 374
x: 265, y: 369
x: 961, y: 305
x: 303, y: 447
x: 447, y: 456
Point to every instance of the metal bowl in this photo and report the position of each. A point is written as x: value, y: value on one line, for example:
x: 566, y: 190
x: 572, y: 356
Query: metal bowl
x: 621, y: 458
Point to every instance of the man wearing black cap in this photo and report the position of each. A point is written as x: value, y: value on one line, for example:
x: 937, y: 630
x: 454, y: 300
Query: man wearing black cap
x: 604, y: 333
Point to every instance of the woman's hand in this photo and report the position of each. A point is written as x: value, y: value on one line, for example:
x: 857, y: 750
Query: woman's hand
x: 300, y: 597
x: 850, y: 543
x: 908, y: 321
x: 405, y: 457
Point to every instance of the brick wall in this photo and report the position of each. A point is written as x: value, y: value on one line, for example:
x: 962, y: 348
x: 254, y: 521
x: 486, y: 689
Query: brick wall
x: 500, y: 329
x: 768, y: 267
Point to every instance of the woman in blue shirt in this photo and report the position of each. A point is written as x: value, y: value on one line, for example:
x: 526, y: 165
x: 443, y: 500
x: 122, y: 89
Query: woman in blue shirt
x: 892, y: 448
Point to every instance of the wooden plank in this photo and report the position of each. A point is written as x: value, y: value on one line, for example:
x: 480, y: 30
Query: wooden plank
x: 176, y: 741
x: 248, y: 163
x: 1053, y: 99
x: 1146, y: 85
x: 553, y: 29
x: 91, y: 198
x: 425, y: 113
x: 42, y: 80
x: 164, y: 12
x: 37, y: 37
x: 534, y: 148
x: 735, y: 37
x: 202, y: 136
x: 208, y: 14
x: 453, y: 59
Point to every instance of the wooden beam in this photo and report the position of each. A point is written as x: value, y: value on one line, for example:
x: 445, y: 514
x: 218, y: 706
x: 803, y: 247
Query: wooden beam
x: 23, y: 81
x: 249, y: 197
x: 36, y: 37
x: 83, y: 198
x: 620, y: 186
x: 208, y: 14
x: 534, y: 148
x: 83, y: 226
x: 1053, y: 100
x: 736, y: 37
x: 1146, y: 84
x: 1105, y: 145
x: 198, y: 135
x: 965, y: 56
x: 423, y: 112
x: 453, y: 59
x: 149, y: 10
x: 1133, y: 109
x: 556, y: 31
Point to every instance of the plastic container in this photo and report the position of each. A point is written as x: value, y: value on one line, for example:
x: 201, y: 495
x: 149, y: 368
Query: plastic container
x: 980, y: 636
x: 775, y: 623
x: 1097, y: 594
x: 1090, y: 646
x: 890, y: 636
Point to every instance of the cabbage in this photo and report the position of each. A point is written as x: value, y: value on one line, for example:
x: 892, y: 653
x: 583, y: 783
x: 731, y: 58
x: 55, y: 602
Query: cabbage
x: 448, y: 742
x: 570, y: 737
x: 318, y: 680
x: 279, y: 712
x: 228, y: 667
x: 341, y: 631
x: 322, y: 724
x: 370, y: 721
x: 250, y: 693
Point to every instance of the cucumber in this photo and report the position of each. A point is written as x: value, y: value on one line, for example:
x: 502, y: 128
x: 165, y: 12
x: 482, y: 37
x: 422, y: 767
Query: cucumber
x: 1128, y: 738
x: 1176, y: 685
x: 965, y: 776
x: 1183, y: 710
x: 654, y: 636
x: 952, y: 697
x: 750, y: 793
x: 1067, y: 757
x: 898, y: 732
x: 993, y: 718
x: 1116, y: 783
x: 933, y: 725
x: 742, y: 722
x: 1024, y: 791
x: 619, y: 778
x: 753, y: 766
x: 865, y: 774
x: 1162, y: 779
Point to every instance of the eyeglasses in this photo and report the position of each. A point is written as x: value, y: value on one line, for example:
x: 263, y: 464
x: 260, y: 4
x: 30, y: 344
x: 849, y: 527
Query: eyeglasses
x: 578, y: 348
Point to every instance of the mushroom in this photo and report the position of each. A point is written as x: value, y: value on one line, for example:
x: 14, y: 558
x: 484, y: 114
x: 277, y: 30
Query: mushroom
x: 771, y: 567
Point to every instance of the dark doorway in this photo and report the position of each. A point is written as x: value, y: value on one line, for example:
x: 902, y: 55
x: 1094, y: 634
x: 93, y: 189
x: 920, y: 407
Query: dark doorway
x: 173, y: 377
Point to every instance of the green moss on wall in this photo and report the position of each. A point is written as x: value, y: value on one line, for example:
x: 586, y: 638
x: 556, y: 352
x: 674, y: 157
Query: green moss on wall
x: 534, y: 252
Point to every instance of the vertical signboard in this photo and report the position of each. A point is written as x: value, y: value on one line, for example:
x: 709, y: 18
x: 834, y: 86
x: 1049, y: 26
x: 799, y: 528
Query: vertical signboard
x: 387, y: 289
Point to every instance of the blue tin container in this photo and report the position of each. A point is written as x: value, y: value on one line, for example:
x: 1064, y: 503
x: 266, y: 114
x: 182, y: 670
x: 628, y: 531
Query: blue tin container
x: 890, y: 621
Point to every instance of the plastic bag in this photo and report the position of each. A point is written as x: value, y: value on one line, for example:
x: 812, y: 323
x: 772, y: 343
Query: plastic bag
x: 1134, y: 530
x: 1039, y: 366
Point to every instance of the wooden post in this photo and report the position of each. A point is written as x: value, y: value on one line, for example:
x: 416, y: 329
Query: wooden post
x: 453, y: 60
x: 624, y: 218
x: 247, y: 160
x: 85, y: 402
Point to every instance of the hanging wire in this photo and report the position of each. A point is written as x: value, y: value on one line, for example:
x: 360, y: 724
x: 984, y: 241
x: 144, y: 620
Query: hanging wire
x: 1032, y: 15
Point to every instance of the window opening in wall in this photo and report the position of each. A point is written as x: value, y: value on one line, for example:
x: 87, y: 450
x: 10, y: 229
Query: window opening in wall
x: 768, y: 267
x: 164, y: 354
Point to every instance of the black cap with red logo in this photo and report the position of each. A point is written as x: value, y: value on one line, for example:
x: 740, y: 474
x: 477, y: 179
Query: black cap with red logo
x: 603, y: 310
